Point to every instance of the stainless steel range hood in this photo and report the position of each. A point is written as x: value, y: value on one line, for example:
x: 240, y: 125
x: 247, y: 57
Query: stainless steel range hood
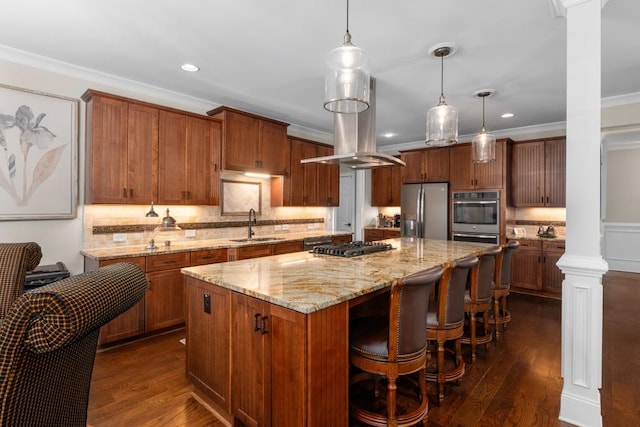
x: 354, y: 143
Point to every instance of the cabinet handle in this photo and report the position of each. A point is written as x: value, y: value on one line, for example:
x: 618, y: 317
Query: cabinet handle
x: 263, y: 326
x: 189, y: 195
x: 539, y: 260
x: 547, y: 199
x: 256, y: 317
x: 124, y: 193
x: 148, y: 285
x: 541, y: 199
x: 215, y: 167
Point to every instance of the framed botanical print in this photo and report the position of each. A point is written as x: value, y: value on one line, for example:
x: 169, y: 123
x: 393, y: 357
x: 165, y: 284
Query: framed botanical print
x: 38, y: 155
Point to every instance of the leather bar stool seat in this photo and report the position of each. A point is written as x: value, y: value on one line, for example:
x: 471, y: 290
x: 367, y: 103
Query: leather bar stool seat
x: 478, y: 300
x: 445, y: 321
x: 384, y: 348
x: 501, y: 315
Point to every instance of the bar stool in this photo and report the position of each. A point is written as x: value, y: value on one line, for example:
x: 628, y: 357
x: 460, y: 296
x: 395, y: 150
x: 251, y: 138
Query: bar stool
x: 478, y: 298
x: 502, y: 316
x: 391, y: 346
x: 445, y: 320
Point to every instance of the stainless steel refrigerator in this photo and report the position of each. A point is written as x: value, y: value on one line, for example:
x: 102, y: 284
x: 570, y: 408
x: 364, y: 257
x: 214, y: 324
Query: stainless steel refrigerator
x: 424, y: 210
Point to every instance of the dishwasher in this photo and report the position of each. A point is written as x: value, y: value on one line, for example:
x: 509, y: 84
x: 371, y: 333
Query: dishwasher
x: 309, y: 242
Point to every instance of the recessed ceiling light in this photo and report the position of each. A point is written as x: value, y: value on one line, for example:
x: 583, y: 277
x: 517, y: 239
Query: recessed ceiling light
x: 190, y: 67
x: 389, y: 134
x: 507, y: 115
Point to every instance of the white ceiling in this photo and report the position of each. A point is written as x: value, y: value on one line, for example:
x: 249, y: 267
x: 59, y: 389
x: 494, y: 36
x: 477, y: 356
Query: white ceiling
x: 267, y: 56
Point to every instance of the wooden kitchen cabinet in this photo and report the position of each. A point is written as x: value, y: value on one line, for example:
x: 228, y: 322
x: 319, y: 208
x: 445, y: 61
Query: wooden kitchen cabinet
x: 307, y: 184
x: 121, y: 150
x: 255, y: 251
x: 208, y: 256
x: 425, y: 165
x: 386, y: 184
x: 268, y: 363
x: 251, y: 143
x: 286, y: 247
x: 534, y: 266
x: 188, y: 159
x: 129, y: 324
x: 346, y: 238
x: 467, y: 175
x: 209, y: 337
x: 165, y: 292
x: 539, y: 173
x: 373, y: 234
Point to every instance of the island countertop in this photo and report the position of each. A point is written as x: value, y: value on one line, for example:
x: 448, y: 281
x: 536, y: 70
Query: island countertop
x: 307, y: 282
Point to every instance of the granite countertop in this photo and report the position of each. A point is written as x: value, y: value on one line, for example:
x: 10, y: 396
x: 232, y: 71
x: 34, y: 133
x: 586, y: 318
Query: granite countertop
x: 307, y: 282
x: 117, y: 252
x: 557, y: 238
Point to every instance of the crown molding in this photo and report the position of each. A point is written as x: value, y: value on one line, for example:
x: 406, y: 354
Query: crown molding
x: 559, y: 7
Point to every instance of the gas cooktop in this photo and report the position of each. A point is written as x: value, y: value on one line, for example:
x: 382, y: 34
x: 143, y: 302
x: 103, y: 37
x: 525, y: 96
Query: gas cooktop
x: 352, y: 249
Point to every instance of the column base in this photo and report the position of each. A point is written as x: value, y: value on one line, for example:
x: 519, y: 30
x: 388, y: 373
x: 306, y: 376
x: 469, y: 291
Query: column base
x: 579, y: 411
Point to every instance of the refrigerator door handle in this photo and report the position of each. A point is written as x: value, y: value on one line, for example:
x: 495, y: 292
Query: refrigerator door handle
x: 420, y: 222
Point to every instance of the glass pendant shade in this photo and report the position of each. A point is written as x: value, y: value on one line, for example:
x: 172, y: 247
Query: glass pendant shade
x: 442, y: 125
x: 346, y: 85
x: 483, y: 147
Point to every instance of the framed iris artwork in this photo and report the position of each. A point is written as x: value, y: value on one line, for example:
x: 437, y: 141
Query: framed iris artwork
x: 38, y: 155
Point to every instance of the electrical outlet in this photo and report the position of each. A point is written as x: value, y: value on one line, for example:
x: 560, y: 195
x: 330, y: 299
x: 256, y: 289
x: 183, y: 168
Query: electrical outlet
x: 120, y: 237
x: 310, y: 226
x: 285, y: 226
x: 277, y: 228
x: 189, y: 233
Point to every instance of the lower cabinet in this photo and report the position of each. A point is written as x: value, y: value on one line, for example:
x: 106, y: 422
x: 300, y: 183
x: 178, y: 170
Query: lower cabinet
x: 344, y: 238
x: 373, y: 234
x: 534, y: 266
x: 260, y: 364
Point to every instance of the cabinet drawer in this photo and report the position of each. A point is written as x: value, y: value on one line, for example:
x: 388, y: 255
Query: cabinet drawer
x: 209, y: 256
x: 247, y: 252
x: 530, y: 245
x: 286, y: 247
x: 553, y: 246
x: 139, y: 261
x: 168, y: 261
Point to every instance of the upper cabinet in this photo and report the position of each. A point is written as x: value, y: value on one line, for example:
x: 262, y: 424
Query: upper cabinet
x: 307, y: 184
x: 139, y: 153
x: 467, y: 175
x: 121, y: 150
x: 538, y: 175
x: 425, y: 165
x: 251, y: 143
x: 385, y: 185
x: 188, y: 160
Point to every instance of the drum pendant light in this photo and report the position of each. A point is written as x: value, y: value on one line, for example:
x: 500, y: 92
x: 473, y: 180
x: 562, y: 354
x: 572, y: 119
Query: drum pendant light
x: 442, y: 120
x: 346, y: 84
x: 483, y: 145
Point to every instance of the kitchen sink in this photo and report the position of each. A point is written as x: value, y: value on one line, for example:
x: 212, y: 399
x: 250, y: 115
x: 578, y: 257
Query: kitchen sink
x: 258, y: 239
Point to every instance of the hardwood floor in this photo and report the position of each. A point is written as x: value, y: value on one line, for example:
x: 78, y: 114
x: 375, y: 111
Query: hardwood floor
x: 514, y: 382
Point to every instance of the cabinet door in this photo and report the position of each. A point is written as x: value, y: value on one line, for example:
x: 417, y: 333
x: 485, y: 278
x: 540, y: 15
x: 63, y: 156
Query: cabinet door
x: 142, y: 155
x: 131, y: 322
x: 286, y: 247
x: 341, y: 239
x: 165, y: 299
x: 257, y: 251
x: 250, y: 382
x: 303, y: 175
x: 490, y: 175
x: 107, y: 151
x: 171, y: 181
x: 555, y: 158
x: 461, y: 167
x: 373, y: 234
x: 437, y: 164
x: 526, y: 266
x: 552, y: 276
x: 274, y: 148
x: 241, y: 138
x: 327, y: 180
x: 380, y: 186
x: 199, y: 162
x: 209, y: 339
x: 414, y: 171
x: 528, y: 174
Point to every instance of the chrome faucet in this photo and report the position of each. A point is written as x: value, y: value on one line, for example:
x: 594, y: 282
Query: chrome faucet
x: 252, y: 221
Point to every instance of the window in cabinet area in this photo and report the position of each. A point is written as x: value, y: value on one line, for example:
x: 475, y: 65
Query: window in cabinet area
x: 539, y: 173
x: 386, y: 184
x: 467, y: 175
x: 426, y: 165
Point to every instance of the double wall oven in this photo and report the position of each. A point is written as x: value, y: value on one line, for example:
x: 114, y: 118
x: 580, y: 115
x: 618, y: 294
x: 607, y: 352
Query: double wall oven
x: 475, y: 216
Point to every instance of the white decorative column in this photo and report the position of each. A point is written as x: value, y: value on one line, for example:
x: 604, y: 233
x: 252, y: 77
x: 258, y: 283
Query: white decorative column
x: 582, y: 263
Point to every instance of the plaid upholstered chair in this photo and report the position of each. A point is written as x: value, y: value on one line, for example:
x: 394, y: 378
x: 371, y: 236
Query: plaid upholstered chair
x: 15, y: 260
x: 48, y: 343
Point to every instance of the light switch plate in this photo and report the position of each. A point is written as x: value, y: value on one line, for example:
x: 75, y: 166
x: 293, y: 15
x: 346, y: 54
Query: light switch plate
x: 277, y: 228
x: 119, y: 237
x: 189, y: 233
x: 285, y: 226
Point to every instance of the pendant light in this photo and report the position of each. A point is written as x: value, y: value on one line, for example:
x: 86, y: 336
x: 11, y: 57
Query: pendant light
x: 442, y: 120
x: 346, y: 84
x: 483, y: 145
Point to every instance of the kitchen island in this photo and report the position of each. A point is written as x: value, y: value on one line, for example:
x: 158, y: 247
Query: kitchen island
x: 267, y: 338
